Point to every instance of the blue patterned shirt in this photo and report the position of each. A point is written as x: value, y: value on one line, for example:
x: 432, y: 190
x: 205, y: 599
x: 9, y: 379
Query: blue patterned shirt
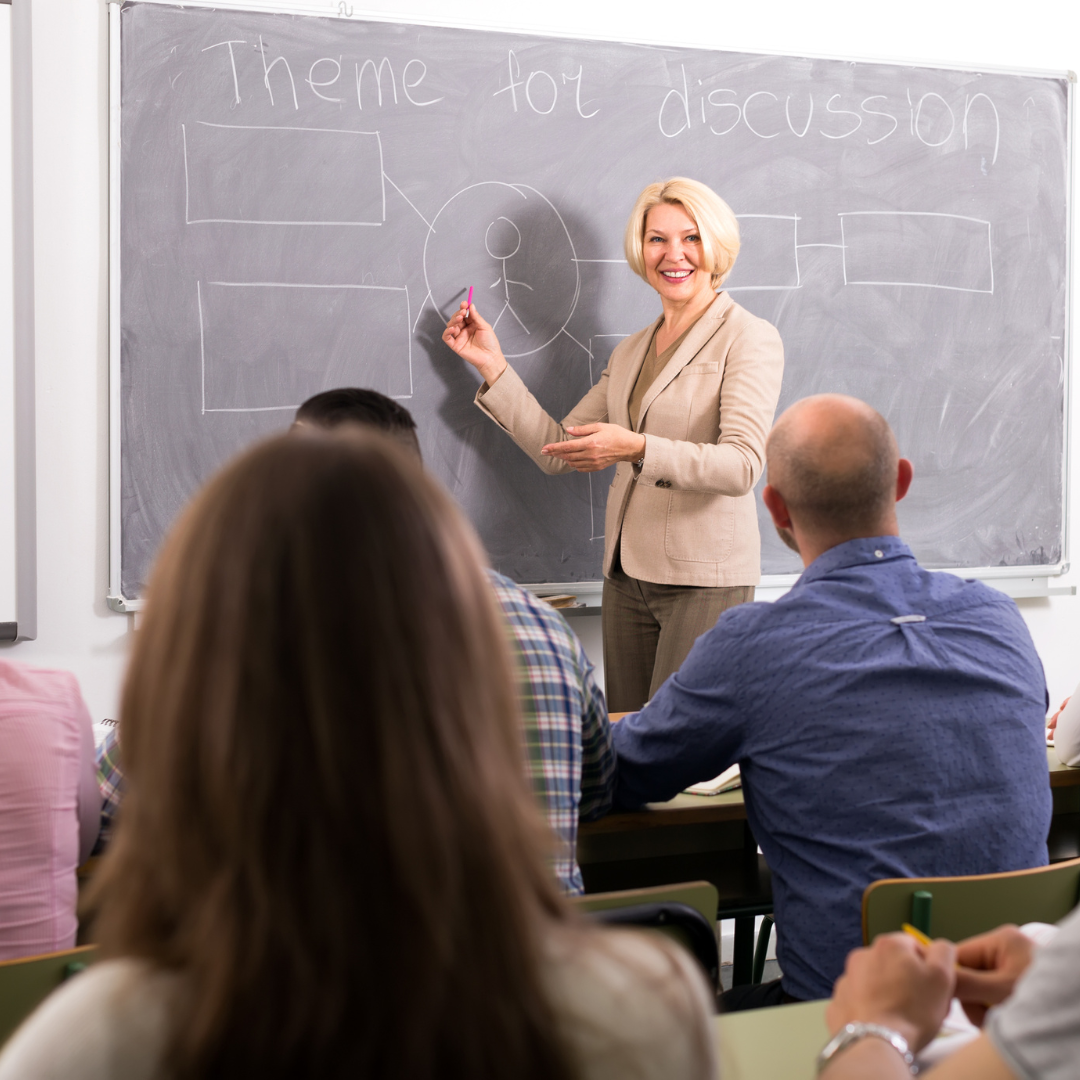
x: 567, y: 734
x: 888, y: 722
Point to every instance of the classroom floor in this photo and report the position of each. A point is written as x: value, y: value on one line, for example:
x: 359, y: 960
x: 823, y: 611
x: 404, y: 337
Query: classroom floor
x: 772, y: 971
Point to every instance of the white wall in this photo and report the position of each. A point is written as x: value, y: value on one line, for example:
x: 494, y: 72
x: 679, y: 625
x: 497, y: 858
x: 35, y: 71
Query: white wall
x: 8, y: 604
x: 76, y: 629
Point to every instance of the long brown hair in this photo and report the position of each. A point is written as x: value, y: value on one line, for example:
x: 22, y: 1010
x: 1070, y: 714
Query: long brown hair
x: 327, y: 830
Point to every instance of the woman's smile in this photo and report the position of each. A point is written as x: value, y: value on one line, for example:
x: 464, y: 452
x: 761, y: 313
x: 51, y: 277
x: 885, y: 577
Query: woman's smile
x: 673, y: 254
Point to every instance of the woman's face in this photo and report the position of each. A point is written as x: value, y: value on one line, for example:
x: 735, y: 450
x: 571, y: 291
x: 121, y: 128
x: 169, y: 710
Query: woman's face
x: 673, y: 257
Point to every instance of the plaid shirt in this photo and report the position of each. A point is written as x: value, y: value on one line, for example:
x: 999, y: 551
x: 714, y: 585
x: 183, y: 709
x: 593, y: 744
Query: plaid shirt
x: 567, y: 734
x: 111, y: 782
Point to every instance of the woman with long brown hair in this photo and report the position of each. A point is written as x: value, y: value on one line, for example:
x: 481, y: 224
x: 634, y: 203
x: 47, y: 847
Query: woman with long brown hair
x: 328, y: 863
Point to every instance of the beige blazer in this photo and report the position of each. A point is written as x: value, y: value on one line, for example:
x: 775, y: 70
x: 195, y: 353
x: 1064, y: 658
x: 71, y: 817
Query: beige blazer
x: 688, y: 517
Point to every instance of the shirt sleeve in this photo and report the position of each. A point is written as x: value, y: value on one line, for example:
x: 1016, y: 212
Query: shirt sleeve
x: 1067, y: 732
x: 110, y: 780
x: 510, y: 404
x: 597, y: 751
x: 1037, y: 1031
x: 691, y: 730
x: 89, y: 797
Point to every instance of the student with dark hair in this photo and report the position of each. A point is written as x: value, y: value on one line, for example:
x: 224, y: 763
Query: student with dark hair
x: 387, y: 910
x: 367, y: 408
x: 887, y: 721
x: 568, y: 738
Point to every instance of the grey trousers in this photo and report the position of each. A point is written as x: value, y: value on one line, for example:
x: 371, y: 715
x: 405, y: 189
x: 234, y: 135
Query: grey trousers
x: 648, y: 630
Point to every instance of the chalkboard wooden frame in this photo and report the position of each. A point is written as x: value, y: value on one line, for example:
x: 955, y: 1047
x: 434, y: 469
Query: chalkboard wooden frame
x: 1017, y: 579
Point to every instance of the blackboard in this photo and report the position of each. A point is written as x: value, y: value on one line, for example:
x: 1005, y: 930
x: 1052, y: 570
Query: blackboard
x: 303, y: 200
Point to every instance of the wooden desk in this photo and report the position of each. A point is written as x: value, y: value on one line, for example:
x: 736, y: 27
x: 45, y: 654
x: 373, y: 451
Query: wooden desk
x: 698, y: 809
x: 1061, y: 775
x: 772, y: 1044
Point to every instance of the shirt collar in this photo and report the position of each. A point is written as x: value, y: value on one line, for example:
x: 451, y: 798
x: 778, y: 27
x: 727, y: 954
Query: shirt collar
x: 866, y: 550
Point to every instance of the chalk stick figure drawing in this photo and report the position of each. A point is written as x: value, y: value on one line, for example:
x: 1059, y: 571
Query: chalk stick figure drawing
x: 513, y: 243
x: 503, y: 246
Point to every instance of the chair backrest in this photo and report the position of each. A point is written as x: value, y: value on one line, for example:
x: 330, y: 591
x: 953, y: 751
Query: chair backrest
x: 686, y: 913
x: 26, y: 982
x: 959, y: 907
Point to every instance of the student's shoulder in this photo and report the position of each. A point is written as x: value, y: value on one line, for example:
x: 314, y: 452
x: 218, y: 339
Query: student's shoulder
x: 952, y: 594
x: 630, y: 1004
x: 744, y: 622
x: 740, y: 633
x: 518, y: 603
x: 108, y: 1021
x: 37, y: 686
x: 524, y: 610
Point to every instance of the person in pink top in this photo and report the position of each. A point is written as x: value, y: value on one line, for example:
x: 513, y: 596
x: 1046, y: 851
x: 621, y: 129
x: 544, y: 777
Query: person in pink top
x: 50, y: 807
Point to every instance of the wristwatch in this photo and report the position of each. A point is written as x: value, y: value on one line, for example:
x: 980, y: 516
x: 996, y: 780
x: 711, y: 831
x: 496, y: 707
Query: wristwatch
x: 852, y: 1033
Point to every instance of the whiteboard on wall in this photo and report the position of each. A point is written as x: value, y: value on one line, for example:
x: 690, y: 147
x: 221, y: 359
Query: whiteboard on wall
x: 8, y: 559
x: 299, y: 202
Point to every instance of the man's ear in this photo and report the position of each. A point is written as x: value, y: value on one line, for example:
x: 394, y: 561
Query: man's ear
x: 774, y: 503
x: 904, y: 473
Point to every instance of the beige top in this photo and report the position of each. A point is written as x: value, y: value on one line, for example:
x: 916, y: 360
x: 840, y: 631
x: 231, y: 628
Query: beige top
x: 652, y: 367
x: 629, y: 1007
x: 688, y: 516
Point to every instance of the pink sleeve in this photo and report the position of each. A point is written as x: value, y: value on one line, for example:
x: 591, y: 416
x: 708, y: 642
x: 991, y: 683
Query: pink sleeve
x: 89, y: 792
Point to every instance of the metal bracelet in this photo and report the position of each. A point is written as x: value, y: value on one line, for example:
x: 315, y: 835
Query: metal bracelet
x: 852, y: 1033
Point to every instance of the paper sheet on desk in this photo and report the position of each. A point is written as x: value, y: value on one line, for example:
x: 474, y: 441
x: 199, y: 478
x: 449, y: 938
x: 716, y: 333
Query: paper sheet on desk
x: 728, y: 780
x: 956, y: 1031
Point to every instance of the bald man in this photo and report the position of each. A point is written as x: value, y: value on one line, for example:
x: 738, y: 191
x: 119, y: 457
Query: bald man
x: 888, y: 721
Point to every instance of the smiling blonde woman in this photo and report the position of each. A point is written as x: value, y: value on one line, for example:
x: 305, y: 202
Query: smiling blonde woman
x: 682, y: 410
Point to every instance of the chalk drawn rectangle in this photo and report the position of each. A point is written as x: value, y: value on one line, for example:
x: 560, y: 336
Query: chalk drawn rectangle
x: 768, y: 257
x: 257, y: 352
x: 925, y: 250
x: 282, y: 175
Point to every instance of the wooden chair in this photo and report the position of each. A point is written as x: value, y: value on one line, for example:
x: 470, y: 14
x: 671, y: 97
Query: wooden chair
x: 959, y: 907
x: 686, y: 913
x: 26, y: 982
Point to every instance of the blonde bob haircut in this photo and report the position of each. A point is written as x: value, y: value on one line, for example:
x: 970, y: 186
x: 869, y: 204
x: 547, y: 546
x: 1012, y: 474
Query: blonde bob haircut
x: 717, y: 224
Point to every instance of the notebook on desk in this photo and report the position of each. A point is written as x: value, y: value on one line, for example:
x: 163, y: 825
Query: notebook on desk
x: 728, y: 780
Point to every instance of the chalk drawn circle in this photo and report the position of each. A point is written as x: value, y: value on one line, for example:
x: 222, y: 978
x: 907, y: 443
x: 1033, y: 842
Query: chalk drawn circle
x: 530, y: 294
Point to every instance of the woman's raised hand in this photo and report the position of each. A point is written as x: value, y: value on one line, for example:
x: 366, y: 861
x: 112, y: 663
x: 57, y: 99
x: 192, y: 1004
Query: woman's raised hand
x: 474, y: 341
